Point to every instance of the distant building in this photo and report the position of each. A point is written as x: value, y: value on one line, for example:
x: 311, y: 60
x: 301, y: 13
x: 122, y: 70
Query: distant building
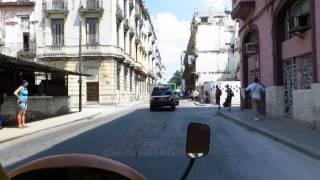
x: 17, y: 29
x: 212, y: 52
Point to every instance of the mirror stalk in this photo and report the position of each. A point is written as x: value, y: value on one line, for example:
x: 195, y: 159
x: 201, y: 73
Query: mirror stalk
x: 188, y: 169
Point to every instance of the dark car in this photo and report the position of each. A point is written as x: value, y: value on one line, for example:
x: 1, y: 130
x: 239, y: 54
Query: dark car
x: 162, y: 97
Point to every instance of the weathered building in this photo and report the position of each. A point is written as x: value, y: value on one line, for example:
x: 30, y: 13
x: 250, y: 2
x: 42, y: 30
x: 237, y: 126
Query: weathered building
x: 280, y: 45
x: 212, y: 52
x: 118, y: 44
x: 17, y: 29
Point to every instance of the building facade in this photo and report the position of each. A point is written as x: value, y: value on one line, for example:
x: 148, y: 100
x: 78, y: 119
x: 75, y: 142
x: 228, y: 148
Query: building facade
x: 280, y: 45
x: 212, y: 52
x: 17, y: 29
x: 118, y: 47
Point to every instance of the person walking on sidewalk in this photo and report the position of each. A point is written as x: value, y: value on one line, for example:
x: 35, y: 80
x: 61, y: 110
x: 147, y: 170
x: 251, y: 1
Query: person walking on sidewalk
x: 22, y: 101
x: 255, y: 89
x: 218, y: 95
x: 230, y: 94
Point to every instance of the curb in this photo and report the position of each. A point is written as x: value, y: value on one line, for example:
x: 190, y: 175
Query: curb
x: 41, y: 130
x: 199, y: 104
x: 278, y: 138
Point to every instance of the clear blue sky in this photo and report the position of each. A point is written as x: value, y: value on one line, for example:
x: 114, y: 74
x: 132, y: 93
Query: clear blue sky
x: 172, y: 20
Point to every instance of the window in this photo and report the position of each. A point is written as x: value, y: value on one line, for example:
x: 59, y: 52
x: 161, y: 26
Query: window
x: 57, y: 28
x: 161, y: 91
x: 25, y: 24
x: 298, y: 18
x: 118, y: 75
x: 125, y: 78
x: 26, y: 41
x: 130, y: 46
x: 204, y: 20
x: 126, y: 8
x: 118, y: 35
x: 131, y: 80
x: 92, y: 31
x: 125, y: 41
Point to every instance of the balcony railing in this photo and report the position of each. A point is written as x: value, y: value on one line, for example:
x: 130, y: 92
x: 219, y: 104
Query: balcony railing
x: 56, y: 7
x: 91, y: 7
x: 92, y: 4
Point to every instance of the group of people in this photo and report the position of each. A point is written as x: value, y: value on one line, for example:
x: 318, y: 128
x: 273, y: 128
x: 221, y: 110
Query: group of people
x: 255, y: 90
x: 228, y: 101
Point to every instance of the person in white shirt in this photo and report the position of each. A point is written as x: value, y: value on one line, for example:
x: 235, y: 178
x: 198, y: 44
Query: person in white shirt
x: 255, y: 90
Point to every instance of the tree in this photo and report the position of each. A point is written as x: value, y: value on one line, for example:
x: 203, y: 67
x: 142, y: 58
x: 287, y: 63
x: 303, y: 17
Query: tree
x: 176, y: 78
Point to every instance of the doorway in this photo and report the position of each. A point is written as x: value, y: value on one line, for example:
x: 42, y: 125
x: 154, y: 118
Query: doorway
x: 92, y: 91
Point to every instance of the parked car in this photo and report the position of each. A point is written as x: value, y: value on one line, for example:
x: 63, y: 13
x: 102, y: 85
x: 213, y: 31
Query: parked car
x: 162, y: 97
x: 177, y: 98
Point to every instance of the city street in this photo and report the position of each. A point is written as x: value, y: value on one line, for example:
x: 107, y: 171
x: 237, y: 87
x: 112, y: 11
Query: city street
x: 153, y: 143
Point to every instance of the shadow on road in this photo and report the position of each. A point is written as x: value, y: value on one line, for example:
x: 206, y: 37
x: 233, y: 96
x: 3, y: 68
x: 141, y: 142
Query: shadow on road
x: 147, y: 141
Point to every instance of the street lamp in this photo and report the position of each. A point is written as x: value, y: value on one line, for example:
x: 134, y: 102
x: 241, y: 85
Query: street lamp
x: 80, y: 61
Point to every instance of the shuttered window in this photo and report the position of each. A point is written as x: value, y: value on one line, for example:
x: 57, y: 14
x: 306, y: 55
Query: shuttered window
x: 57, y: 28
x: 92, y: 31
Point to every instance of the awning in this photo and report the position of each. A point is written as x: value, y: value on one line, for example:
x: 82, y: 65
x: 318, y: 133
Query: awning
x: 12, y: 63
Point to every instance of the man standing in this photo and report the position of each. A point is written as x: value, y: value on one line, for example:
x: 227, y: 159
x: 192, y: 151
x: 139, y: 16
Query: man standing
x: 230, y: 94
x: 255, y: 90
x: 218, y: 95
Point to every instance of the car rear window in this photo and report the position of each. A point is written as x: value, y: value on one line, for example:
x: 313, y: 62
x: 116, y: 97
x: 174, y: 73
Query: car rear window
x: 161, y: 92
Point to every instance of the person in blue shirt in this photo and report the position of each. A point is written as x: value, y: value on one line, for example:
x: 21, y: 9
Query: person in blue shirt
x: 255, y: 89
x: 22, y: 101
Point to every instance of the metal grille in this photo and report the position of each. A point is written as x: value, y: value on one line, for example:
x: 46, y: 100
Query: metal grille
x: 297, y: 74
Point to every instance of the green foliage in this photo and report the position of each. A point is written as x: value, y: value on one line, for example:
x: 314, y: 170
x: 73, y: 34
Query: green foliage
x: 176, y: 78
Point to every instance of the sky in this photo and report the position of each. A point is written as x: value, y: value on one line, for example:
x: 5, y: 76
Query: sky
x: 171, y: 19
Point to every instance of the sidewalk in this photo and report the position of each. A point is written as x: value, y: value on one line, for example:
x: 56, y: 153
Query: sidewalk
x: 292, y: 134
x: 89, y: 112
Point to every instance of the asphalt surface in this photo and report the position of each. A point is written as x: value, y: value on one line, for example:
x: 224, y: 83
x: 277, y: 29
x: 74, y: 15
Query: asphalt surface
x: 153, y: 143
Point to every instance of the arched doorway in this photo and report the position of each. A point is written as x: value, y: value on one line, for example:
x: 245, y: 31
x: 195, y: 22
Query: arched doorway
x: 250, y: 61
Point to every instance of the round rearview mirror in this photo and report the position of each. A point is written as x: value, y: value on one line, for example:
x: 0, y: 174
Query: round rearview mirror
x: 198, y: 140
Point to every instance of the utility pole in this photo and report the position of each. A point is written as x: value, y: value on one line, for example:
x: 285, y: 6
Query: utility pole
x: 80, y: 62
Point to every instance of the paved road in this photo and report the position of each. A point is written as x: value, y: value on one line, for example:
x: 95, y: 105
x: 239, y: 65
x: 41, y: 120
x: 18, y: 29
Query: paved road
x: 154, y: 142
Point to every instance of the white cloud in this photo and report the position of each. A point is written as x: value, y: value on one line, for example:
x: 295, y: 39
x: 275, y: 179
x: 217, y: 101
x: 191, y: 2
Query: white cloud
x: 219, y: 4
x: 173, y: 36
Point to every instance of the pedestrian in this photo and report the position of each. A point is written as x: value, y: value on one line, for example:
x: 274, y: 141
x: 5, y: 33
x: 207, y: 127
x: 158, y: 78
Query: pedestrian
x: 218, y: 95
x: 255, y: 89
x: 230, y: 94
x: 196, y: 95
x: 207, y: 96
x: 22, y: 101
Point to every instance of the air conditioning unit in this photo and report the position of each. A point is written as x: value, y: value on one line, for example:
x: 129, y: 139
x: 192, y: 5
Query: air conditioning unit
x: 299, y: 24
x: 251, y: 48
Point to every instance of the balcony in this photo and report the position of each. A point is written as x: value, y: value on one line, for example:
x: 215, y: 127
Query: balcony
x: 93, y: 52
x: 56, y: 7
x: 242, y: 8
x: 91, y: 7
x: 119, y: 14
